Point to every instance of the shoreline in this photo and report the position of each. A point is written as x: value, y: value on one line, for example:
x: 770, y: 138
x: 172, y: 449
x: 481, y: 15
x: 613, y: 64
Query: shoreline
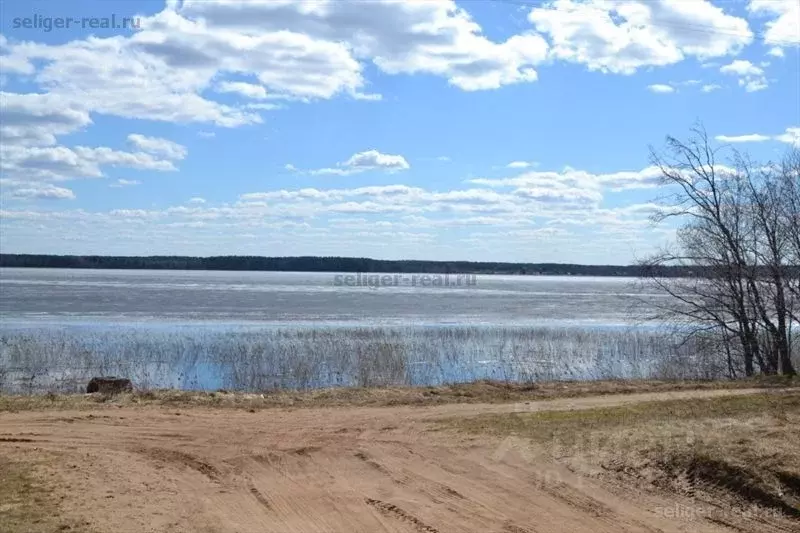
x: 476, y: 392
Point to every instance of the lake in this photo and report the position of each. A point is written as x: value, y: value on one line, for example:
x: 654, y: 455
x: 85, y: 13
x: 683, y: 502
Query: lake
x: 259, y: 330
x: 63, y: 296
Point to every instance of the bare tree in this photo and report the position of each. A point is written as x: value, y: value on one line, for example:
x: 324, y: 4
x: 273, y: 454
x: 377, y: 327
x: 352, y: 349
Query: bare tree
x: 739, y: 234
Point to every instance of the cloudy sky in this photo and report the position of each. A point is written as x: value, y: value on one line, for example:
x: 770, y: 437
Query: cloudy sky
x: 510, y: 130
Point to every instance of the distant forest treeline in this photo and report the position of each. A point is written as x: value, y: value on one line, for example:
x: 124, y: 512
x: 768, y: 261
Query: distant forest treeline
x: 323, y: 264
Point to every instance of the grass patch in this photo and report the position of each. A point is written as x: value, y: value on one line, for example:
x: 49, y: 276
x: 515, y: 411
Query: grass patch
x: 544, y: 426
x: 742, y: 449
x: 477, y: 392
x: 27, y: 505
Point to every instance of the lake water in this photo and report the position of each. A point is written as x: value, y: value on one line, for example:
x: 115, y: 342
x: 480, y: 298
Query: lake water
x: 257, y: 330
x: 63, y: 296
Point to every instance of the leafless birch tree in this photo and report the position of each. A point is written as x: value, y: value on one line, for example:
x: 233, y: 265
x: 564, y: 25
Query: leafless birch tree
x: 738, y: 232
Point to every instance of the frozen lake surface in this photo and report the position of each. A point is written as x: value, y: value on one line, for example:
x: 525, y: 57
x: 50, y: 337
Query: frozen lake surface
x: 293, y: 298
x: 266, y: 330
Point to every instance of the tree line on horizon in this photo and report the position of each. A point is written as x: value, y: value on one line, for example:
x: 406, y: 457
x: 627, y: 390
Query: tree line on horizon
x: 327, y: 264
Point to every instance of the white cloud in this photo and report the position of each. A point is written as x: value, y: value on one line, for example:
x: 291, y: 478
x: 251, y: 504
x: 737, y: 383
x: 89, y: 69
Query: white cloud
x: 196, y: 200
x: 30, y: 155
x: 292, y: 50
x: 36, y: 119
x: 374, y: 159
x: 776, y: 52
x: 567, y: 195
x: 521, y: 164
x: 300, y: 52
x: 558, y: 210
x: 742, y: 138
x: 621, y: 37
x: 711, y: 87
x: 139, y: 160
x: 15, y: 64
x: 368, y: 160
x: 248, y: 90
x: 742, y: 67
x: 61, y: 163
x: 134, y: 213
x: 791, y: 136
x: 571, y: 178
x: 125, y: 183
x: 437, y: 38
x: 784, y: 29
x: 156, y: 145
x: 263, y: 106
x: 659, y: 88
x: 396, y: 198
x: 43, y: 192
x: 750, y: 76
x: 646, y: 178
x: 116, y: 76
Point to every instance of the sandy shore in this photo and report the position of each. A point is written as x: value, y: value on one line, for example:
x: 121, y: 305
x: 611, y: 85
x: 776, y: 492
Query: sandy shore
x: 360, y: 469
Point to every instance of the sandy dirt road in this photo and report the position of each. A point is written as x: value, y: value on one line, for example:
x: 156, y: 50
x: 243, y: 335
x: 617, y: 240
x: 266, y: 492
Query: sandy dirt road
x: 348, y: 470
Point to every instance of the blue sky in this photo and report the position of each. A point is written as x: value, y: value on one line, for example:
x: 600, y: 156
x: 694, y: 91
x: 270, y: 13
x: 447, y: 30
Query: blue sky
x: 480, y: 130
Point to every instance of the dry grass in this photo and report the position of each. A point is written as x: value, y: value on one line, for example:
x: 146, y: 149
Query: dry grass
x: 477, y: 392
x: 544, y: 426
x: 297, y: 358
x: 27, y: 503
x: 737, y: 452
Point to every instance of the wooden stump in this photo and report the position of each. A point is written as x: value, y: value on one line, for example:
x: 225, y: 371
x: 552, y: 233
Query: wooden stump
x: 109, y: 385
